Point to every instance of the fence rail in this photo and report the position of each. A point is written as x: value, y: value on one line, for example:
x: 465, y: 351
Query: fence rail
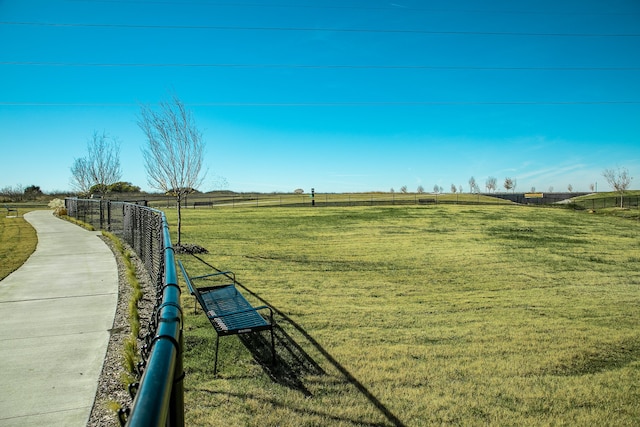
x: 212, y: 200
x: 629, y: 202
x: 204, y: 201
x: 158, y: 400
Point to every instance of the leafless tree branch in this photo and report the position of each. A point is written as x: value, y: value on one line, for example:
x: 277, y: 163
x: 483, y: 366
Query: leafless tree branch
x: 174, y: 152
x: 619, y: 179
x: 101, y: 167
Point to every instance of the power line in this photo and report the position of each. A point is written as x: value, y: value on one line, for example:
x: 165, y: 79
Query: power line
x: 326, y: 104
x: 394, y: 7
x: 307, y: 29
x: 312, y: 66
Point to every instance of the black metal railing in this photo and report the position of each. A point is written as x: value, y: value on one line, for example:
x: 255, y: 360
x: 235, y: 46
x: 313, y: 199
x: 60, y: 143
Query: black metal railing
x: 158, y: 397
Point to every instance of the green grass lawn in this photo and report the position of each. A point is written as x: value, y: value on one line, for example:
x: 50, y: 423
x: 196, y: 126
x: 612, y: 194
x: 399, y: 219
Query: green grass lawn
x: 421, y: 315
x: 18, y: 240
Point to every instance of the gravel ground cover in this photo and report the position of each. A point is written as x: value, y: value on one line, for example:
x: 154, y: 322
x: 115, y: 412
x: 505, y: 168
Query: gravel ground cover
x: 112, y: 388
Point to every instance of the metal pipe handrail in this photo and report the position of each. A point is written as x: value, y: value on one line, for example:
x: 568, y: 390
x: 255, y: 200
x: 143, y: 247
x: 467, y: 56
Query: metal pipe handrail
x: 160, y: 397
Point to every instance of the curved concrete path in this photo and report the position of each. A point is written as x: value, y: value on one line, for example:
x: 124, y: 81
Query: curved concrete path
x: 55, y: 315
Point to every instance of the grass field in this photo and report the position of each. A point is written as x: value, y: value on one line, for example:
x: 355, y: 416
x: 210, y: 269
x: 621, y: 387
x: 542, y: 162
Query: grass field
x: 18, y: 240
x: 413, y: 315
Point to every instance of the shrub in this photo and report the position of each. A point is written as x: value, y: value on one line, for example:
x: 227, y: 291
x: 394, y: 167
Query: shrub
x: 58, y: 207
x: 56, y: 203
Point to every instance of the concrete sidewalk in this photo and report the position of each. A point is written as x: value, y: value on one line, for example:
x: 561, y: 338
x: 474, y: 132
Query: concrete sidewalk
x: 55, y: 315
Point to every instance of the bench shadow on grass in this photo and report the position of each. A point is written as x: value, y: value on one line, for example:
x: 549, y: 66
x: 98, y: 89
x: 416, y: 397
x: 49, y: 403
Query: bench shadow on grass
x: 292, y: 362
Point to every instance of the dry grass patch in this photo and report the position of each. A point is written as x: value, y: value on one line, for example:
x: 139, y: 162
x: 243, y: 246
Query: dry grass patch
x: 422, y: 315
x: 18, y: 241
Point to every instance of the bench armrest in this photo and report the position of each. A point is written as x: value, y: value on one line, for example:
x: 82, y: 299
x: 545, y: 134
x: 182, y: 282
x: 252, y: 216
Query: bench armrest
x: 186, y: 277
x: 217, y: 274
x: 189, y: 279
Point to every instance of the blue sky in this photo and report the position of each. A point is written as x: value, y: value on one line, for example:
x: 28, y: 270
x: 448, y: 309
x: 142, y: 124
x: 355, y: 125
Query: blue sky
x: 343, y: 96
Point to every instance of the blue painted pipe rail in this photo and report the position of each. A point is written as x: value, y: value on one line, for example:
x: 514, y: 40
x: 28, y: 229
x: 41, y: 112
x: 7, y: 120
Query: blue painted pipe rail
x: 160, y: 397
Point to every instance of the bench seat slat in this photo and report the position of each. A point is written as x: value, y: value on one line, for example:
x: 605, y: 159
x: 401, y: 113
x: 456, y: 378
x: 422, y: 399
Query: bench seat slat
x: 221, y: 301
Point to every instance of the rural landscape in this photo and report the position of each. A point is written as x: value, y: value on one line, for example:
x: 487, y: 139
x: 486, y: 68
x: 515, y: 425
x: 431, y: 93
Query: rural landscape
x: 388, y: 308
x: 414, y: 314
x: 320, y: 213
x: 417, y: 316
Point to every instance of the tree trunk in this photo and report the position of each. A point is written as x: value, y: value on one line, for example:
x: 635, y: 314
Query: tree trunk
x: 179, y: 200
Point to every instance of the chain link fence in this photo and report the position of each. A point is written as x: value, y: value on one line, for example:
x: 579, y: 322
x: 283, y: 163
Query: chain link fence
x: 137, y: 225
x: 158, y: 397
x: 628, y: 202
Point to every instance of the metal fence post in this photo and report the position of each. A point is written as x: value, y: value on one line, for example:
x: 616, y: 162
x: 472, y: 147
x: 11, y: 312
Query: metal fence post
x: 100, y: 214
x: 109, y: 215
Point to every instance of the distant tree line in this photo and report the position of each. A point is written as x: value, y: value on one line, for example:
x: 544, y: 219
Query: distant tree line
x: 619, y: 179
x: 20, y: 193
x: 116, y: 187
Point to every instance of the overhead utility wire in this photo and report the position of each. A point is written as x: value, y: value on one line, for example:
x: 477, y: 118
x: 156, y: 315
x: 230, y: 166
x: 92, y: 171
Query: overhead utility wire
x: 324, y: 104
x: 306, y: 29
x: 313, y: 66
x: 395, y: 7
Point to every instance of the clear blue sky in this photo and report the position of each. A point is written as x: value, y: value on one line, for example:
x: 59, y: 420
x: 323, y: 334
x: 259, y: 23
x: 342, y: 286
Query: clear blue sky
x: 340, y: 95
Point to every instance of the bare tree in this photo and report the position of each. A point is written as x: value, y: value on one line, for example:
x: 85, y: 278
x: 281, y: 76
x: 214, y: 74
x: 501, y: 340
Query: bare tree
x: 473, y: 186
x: 80, y: 176
x: 619, y: 179
x: 100, y: 168
x: 174, y: 152
x: 570, y: 188
x: 220, y: 183
x: 510, y: 184
x: 420, y: 189
x: 454, y: 189
x: 14, y: 194
x: 104, y: 160
x: 491, y: 183
x: 403, y: 189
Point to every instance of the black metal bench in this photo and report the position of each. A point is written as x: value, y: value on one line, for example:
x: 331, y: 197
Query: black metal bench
x: 195, y: 204
x: 10, y: 210
x: 426, y: 201
x: 228, y: 310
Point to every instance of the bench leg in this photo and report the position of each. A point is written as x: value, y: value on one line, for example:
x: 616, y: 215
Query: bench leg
x: 273, y: 348
x: 215, y: 366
